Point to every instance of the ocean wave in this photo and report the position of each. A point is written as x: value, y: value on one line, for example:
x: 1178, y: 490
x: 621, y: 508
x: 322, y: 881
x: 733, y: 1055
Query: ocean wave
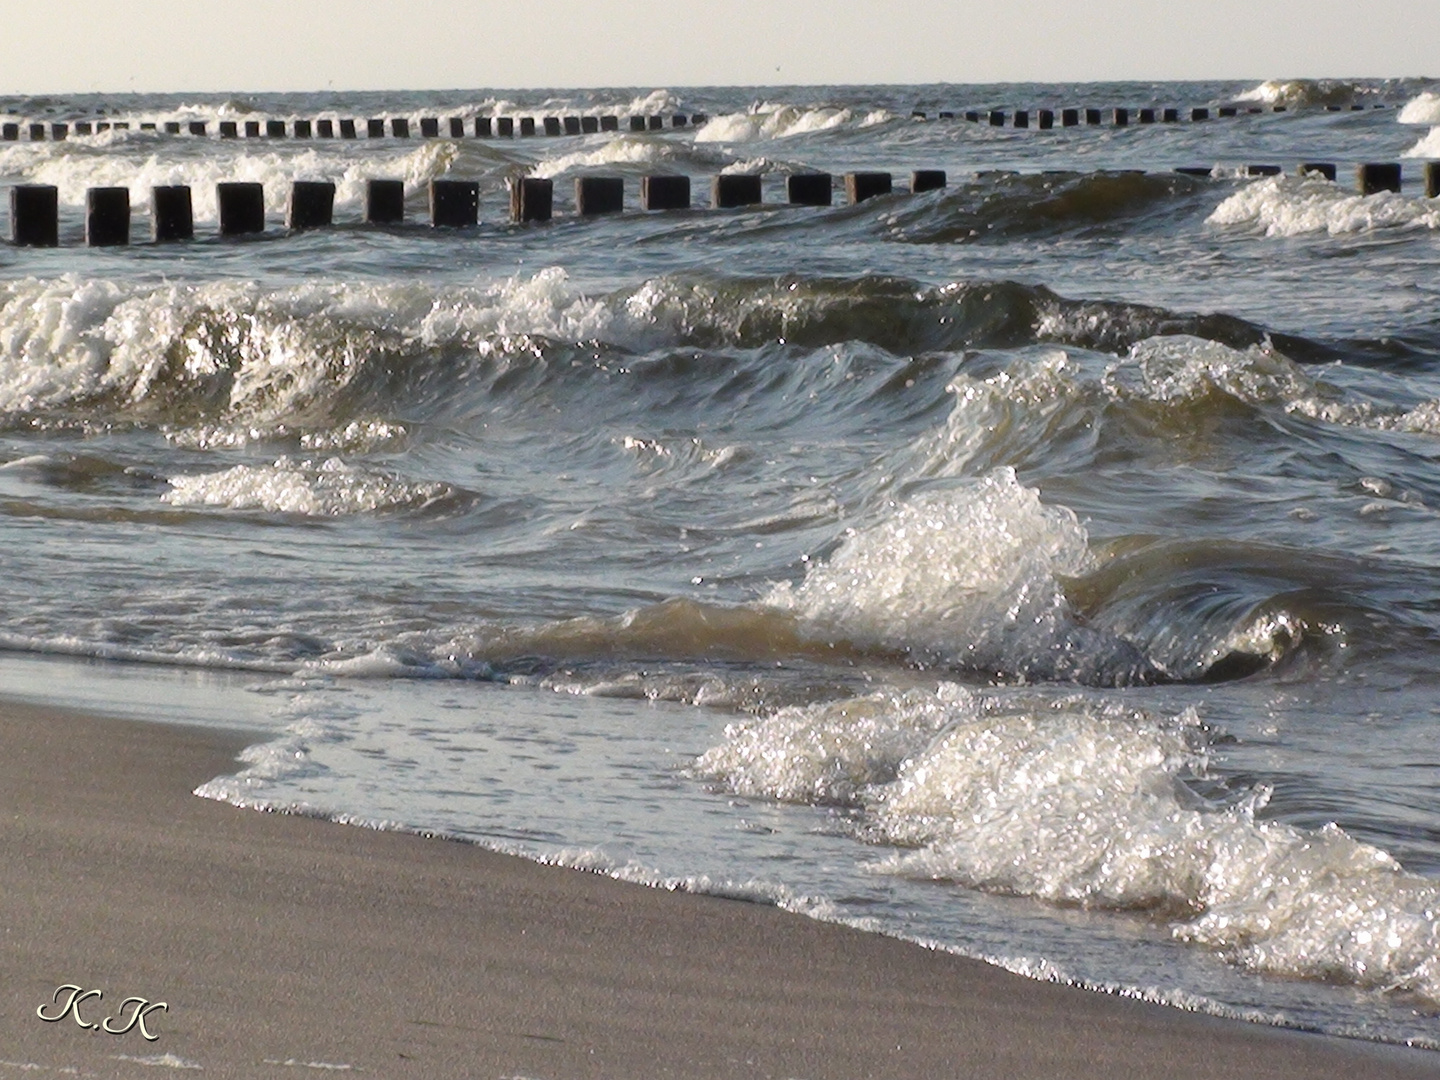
x: 966, y: 577
x: 1082, y: 802
x: 1304, y: 92
x: 1003, y: 207
x: 1290, y: 206
x: 328, y: 488
x: 640, y: 154
x: 768, y: 120
x: 1423, y: 108
x: 1427, y: 147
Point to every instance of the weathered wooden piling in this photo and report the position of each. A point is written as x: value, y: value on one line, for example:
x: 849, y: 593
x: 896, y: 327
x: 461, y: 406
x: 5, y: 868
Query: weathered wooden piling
x: 589, y: 125
x: 729, y: 190
x: 860, y: 186
x: 1227, y: 110
x: 374, y: 129
x: 37, y: 132
x: 679, y: 120
x: 1170, y: 116
x: 1373, y: 177
x: 809, y: 189
x: 572, y: 125
x: 172, y: 127
x: 609, y: 123
x: 311, y: 205
x: 107, y: 216
x: 599, y: 195
x: 324, y: 129
x: 197, y: 127
x: 656, y: 123
x: 242, y: 207
x: 553, y: 126
x: 347, y: 129
x: 1147, y: 116
x: 1121, y: 117
x: 637, y: 123
x: 1092, y: 117
x: 429, y: 127
x: 457, y: 127
x: 172, y: 214
x: 532, y: 198
x: 252, y: 129
x: 1432, y: 179
x: 664, y: 192
x: 484, y: 128
x: 302, y: 129
x: 1195, y: 170
x: 400, y: 127
x: 454, y: 204
x: 84, y: 127
x: 505, y: 127
x: 527, y: 126
x: 275, y: 129
x: 1022, y: 118
x: 384, y: 202
x: 1069, y: 117
x: 972, y: 116
x: 1197, y: 114
x: 1045, y: 119
x: 997, y: 117
x: 229, y: 129
x: 1263, y: 170
x: 922, y: 180
x: 34, y: 215
x: 10, y: 132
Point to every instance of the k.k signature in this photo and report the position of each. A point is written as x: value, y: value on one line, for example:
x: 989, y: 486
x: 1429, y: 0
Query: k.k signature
x: 69, y: 998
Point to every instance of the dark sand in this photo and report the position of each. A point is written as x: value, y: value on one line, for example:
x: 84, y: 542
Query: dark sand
x: 279, y: 940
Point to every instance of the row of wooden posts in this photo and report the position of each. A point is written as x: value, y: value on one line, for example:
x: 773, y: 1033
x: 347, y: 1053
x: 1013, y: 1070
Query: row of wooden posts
x: 34, y: 208
x: 484, y: 127
x: 1044, y: 119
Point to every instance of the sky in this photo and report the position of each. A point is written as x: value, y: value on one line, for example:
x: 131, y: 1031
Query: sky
x: 270, y: 45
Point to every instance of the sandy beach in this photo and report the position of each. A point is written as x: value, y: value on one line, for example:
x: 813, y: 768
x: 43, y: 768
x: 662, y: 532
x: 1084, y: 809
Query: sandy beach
x: 285, y: 946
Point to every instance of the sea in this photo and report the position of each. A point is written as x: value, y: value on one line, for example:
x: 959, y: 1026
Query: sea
x: 1045, y: 568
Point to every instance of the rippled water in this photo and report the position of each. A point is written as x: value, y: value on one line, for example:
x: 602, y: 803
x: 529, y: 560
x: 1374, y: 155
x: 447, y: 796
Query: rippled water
x: 1043, y: 567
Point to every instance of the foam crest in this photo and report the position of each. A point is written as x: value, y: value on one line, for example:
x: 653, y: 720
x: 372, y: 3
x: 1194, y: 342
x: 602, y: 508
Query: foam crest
x: 1301, y: 92
x: 328, y: 488
x: 244, y: 351
x: 833, y: 752
x: 766, y: 120
x: 626, y: 150
x: 1427, y: 147
x: 1424, y: 108
x: 1289, y: 206
x: 966, y: 576
x: 1091, y: 803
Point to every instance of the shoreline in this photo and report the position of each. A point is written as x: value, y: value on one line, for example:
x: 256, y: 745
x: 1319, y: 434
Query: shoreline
x: 281, y: 941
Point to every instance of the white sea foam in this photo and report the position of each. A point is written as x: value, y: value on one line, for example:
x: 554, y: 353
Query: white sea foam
x: 629, y: 150
x: 328, y: 488
x: 255, y: 354
x: 1077, y: 801
x: 1427, y: 147
x: 967, y: 576
x: 1290, y: 206
x: 1296, y: 92
x: 1424, y: 108
x: 767, y: 120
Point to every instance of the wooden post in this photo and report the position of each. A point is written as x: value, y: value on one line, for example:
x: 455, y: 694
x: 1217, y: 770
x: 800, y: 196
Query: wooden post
x: 809, y: 189
x: 729, y: 190
x: 922, y: 180
x: 599, y: 195
x: 384, y: 202
x: 531, y: 198
x: 311, y: 206
x: 860, y: 186
x: 34, y: 215
x: 171, y: 214
x: 664, y: 193
x: 242, y: 207
x: 1375, y: 177
x: 107, y: 216
x: 454, y: 204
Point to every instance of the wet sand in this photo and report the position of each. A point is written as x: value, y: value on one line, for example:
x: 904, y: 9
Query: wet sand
x: 279, y: 942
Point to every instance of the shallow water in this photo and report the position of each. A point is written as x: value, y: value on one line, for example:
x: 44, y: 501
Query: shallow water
x: 1042, y: 567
